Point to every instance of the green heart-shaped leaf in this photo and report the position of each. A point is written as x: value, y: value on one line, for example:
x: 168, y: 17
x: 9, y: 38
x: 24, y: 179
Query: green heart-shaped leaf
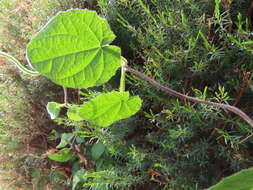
x: 105, y: 109
x: 65, y: 139
x: 54, y: 108
x: 63, y: 155
x: 73, y: 50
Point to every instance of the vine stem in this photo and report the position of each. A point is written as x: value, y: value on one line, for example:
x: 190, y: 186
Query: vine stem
x: 170, y: 91
x: 18, y: 64
x: 65, y: 91
x: 122, y: 86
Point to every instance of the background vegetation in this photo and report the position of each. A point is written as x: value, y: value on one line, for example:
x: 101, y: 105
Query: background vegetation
x: 198, y: 47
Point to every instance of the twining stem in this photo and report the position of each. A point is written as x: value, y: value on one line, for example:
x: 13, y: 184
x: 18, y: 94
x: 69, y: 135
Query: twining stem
x: 122, y: 86
x: 233, y: 109
x: 18, y: 64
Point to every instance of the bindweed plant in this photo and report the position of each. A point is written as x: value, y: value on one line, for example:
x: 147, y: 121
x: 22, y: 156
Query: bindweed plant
x: 74, y: 50
x: 81, y: 57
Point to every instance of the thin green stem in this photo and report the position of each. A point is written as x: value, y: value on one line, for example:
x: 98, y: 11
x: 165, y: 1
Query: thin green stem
x: 18, y: 64
x: 122, y: 86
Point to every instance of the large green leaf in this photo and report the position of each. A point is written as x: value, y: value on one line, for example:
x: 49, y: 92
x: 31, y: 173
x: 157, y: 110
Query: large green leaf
x: 242, y: 180
x: 105, y: 109
x: 73, y: 49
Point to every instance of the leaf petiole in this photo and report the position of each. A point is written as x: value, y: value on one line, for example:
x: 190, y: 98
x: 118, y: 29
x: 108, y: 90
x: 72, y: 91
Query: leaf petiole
x: 122, y: 86
x: 18, y: 64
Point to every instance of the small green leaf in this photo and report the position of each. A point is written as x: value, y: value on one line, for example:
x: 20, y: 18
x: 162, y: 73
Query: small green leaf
x: 247, y: 43
x: 65, y: 140
x: 63, y: 155
x: 75, y: 166
x: 73, y: 50
x: 105, y: 109
x: 57, y: 177
x: 35, y: 173
x: 80, y: 140
x: 78, y: 178
x: 73, y: 113
x: 97, y: 150
x: 242, y: 180
x: 54, y: 109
